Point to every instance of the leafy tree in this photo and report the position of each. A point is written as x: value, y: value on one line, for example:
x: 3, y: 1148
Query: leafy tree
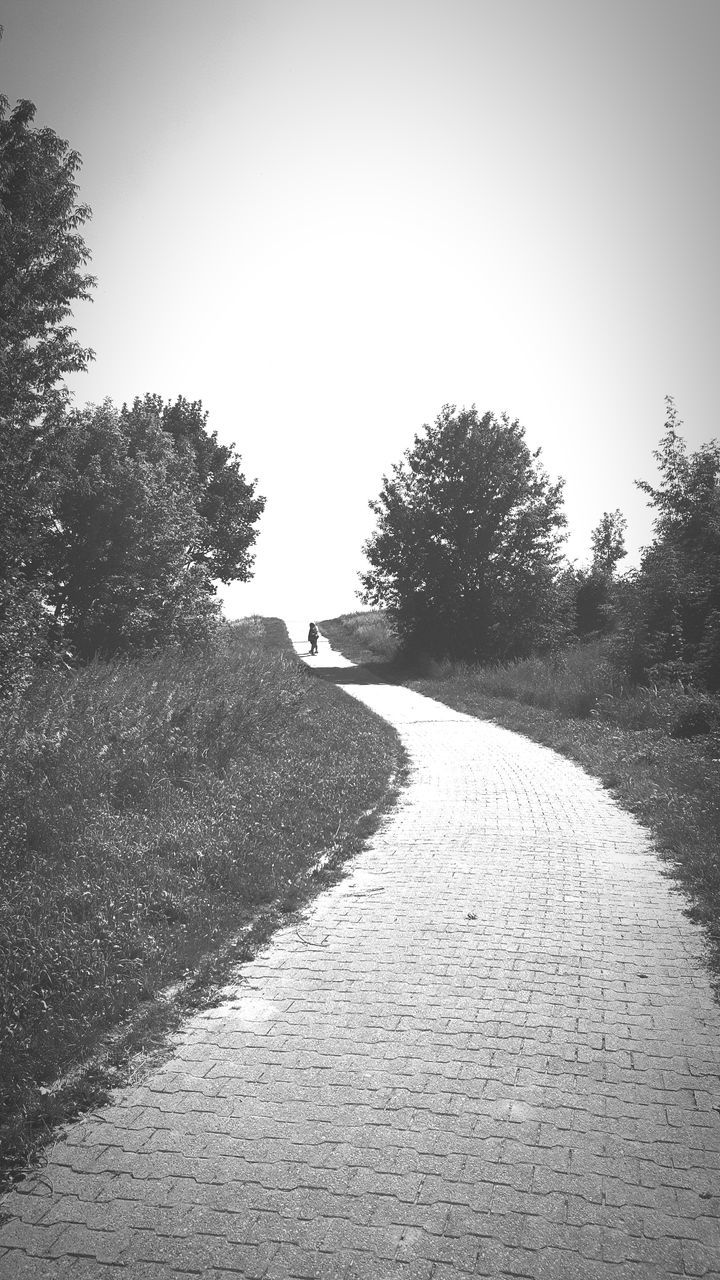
x: 672, y: 628
x: 595, y: 595
x: 467, y: 548
x: 127, y: 520
x: 687, y: 499
x: 227, y: 503
x: 608, y: 543
x: 42, y: 255
x: 41, y: 258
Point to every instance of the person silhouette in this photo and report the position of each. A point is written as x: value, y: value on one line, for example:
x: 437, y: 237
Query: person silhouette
x: 313, y: 637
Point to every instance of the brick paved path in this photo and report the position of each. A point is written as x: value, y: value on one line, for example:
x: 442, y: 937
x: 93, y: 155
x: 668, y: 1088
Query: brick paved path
x: 491, y: 1051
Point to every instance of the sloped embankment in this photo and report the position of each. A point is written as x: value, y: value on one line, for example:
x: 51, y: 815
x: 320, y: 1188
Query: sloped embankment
x: 152, y: 810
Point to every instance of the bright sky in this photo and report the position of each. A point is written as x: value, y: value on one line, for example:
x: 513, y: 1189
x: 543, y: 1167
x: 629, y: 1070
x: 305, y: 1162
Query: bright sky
x: 327, y: 218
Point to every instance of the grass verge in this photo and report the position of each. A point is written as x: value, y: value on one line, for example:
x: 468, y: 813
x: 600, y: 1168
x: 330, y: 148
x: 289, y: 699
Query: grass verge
x: 158, y: 817
x: 657, y: 750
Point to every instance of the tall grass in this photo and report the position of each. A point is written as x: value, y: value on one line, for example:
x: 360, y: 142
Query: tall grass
x: 146, y: 804
x: 582, y: 681
x: 576, y: 682
x: 363, y: 635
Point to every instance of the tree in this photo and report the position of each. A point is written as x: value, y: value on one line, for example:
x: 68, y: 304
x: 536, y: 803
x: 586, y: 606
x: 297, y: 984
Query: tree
x: 608, y: 543
x: 467, y: 549
x: 595, y: 605
x: 227, y: 503
x: 42, y: 255
x: 41, y: 258
x: 127, y: 520
x: 672, y: 628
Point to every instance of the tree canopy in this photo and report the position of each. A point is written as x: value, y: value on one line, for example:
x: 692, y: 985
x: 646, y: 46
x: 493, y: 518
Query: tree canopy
x: 673, y: 623
x: 227, y: 503
x: 126, y: 521
x: 608, y: 542
x: 42, y: 256
x: 595, y: 589
x: 467, y: 547
x: 133, y: 549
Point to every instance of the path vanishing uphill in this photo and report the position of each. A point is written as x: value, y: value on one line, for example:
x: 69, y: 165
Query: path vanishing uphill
x: 490, y: 1050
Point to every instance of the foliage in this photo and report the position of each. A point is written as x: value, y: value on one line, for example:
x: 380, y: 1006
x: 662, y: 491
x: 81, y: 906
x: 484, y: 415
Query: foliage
x: 608, y: 542
x: 41, y: 258
x: 671, y: 628
x: 596, y: 594
x: 119, y: 522
x: 147, y: 806
x: 227, y: 503
x: 42, y: 255
x: 24, y: 630
x: 127, y: 518
x: 466, y: 551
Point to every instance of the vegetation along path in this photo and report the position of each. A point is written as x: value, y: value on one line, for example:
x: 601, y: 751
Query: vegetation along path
x: 490, y: 1050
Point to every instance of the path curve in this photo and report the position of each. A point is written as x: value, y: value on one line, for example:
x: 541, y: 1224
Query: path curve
x: 490, y: 1050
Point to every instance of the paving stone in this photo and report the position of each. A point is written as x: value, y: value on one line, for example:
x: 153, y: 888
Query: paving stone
x: 491, y: 1050
x: 16, y: 1265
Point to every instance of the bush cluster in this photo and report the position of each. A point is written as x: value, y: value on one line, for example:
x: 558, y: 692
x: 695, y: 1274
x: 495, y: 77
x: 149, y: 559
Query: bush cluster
x: 584, y: 680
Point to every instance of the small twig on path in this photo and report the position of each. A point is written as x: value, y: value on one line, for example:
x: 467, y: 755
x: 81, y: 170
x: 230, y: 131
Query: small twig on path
x: 308, y: 943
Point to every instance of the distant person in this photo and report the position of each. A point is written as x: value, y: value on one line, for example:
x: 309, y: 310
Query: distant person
x: 313, y: 637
